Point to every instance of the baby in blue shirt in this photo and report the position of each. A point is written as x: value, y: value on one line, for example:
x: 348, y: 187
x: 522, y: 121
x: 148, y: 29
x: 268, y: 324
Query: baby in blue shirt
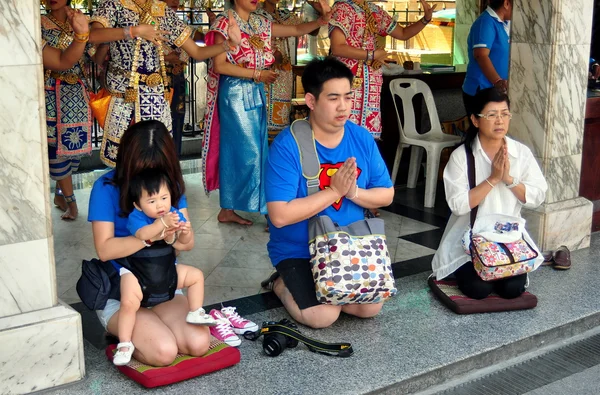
x: 150, y: 276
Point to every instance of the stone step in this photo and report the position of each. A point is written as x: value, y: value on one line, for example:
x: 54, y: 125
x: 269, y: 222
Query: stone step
x: 415, y: 343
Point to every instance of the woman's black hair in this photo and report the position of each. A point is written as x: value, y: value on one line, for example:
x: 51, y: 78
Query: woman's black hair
x: 147, y: 145
x: 482, y: 98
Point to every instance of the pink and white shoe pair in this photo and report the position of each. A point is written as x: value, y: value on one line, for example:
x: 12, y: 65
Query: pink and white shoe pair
x: 229, y: 325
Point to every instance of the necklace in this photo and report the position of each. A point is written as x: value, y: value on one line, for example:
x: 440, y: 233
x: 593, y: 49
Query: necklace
x: 66, y: 36
x: 247, y: 27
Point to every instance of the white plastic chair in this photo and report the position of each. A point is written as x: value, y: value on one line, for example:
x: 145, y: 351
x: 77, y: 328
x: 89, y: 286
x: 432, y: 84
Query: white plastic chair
x: 434, y: 141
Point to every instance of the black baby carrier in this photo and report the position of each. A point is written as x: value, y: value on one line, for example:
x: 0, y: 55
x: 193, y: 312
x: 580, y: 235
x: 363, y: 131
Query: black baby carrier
x: 154, y: 268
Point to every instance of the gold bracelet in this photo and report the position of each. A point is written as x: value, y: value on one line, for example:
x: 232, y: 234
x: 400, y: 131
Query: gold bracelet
x: 488, y: 181
x: 81, y: 38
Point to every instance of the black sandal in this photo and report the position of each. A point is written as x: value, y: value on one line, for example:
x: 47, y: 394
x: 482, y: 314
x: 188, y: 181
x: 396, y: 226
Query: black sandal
x: 270, y: 282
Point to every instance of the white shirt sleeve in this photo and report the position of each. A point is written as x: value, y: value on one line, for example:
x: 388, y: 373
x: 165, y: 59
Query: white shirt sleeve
x: 456, y: 182
x: 533, y: 179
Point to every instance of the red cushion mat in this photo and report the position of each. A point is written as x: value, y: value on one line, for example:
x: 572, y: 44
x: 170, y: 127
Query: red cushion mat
x: 219, y: 356
x: 448, y: 293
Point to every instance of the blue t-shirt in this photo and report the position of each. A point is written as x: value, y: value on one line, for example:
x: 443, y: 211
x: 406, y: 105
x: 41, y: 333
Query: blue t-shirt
x: 138, y: 219
x: 104, y: 204
x: 284, y: 182
x: 488, y: 31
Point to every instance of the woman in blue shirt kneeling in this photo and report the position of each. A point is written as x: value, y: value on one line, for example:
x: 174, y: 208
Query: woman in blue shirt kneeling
x: 160, y: 333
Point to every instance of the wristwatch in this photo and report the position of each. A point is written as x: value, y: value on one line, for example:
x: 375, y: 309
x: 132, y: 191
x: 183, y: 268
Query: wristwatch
x: 514, y: 183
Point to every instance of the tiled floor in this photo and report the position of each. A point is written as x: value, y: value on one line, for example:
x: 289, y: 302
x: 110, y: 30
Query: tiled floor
x: 233, y: 258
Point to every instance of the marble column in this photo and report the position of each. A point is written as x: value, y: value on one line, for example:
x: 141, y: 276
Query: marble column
x: 466, y: 13
x: 550, y: 45
x: 41, y: 338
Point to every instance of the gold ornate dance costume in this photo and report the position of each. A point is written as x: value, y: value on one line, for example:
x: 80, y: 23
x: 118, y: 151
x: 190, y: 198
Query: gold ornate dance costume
x: 136, y: 75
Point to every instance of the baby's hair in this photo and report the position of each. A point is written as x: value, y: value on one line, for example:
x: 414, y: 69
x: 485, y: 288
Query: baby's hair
x: 149, y: 180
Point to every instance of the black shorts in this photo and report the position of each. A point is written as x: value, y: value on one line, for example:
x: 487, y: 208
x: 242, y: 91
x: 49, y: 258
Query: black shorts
x: 298, y: 279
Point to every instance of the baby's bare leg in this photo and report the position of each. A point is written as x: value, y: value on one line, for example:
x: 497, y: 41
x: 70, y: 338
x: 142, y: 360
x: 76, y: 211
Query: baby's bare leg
x: 131, y: 297
x: 193, y: 279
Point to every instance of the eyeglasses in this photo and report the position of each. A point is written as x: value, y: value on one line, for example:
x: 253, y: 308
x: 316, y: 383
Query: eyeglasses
x: 492, y: 115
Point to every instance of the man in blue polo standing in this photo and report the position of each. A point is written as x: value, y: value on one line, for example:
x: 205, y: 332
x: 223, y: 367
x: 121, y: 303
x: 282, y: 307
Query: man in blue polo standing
x: 489, y: 49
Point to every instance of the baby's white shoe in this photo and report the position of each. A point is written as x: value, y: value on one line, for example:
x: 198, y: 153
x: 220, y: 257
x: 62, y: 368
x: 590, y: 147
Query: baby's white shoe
x: 122, y: 358
x: 199, y: 317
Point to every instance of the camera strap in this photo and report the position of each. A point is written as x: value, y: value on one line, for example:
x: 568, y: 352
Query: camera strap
x: 343, y: 350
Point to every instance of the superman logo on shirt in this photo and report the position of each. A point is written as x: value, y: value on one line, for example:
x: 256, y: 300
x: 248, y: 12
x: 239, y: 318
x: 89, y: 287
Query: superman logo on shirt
x: 325, y: 174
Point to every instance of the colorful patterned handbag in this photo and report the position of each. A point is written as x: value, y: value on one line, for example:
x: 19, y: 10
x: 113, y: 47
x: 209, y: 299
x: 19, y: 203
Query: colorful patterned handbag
x: 497, y: 247
x: 350, y: 264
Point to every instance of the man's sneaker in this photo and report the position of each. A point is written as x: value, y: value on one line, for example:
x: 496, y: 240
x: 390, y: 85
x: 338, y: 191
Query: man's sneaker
x: 240, y: 325
x: 223, y: 330
x: 199, y: 317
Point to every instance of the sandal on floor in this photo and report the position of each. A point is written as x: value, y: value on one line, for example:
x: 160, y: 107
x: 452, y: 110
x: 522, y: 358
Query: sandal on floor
x: 122, y: 358
x: 269, y: 282
x: 562, y: 258
x: 67, y: 216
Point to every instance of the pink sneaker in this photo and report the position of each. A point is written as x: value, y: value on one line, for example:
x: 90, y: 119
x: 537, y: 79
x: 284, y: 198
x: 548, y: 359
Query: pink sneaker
x: 240, y: 325
x: 223, y: 330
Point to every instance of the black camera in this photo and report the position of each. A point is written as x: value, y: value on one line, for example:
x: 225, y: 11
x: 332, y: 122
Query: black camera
x: 275, y: 342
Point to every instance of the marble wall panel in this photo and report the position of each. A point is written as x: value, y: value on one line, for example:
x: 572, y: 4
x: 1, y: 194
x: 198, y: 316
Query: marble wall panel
x: 529, y: 94
x: 39, y: 354
x: 552, y: 21
x: 24, y: 157
x: 563, y: 223
x: 20, y: 32
x: 563, y: 176
x: 566, y: 110
x: 570, y: 227
x: 532, y: 21
x: 466, y: 11
x: 574, y: 22
x: 27, y: 278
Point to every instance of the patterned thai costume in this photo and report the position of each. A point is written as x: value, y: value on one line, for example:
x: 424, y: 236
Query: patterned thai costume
x: 68, y: 116
x: 361, y: 30
x: 235, y: 138
x: 279, y: 93
x: 136, y: 73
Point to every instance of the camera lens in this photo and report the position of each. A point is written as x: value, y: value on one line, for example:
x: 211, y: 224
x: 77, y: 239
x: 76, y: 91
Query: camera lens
x: 274, y: 344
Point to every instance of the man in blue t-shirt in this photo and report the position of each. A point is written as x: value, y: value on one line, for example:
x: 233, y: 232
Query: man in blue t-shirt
x: 488, y: 45
x: 353, y: 178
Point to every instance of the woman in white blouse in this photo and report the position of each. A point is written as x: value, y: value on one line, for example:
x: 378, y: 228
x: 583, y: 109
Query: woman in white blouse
x: 507, y: 178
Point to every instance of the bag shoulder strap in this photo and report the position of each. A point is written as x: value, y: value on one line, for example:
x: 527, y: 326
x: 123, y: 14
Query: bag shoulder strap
x: 309, y: 160
x: 471, y: 174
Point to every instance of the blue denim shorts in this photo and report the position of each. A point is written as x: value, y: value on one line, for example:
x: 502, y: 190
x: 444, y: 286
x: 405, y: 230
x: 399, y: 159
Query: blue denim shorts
x: 112, y: 306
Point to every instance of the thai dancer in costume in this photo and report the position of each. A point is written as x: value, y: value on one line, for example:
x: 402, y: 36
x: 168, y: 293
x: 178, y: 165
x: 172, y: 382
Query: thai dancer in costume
x: 353, y: 31
x: 279, y: 93
x: 235, y: 139
x: 68, y: 117
x: 136, y: 76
